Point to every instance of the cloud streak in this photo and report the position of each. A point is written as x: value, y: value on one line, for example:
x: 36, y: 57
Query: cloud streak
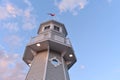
x: 71, y: 5
x: 12, y: 10
x: 3, y: 13
x: 82, y: 67
x: 8, y: 10
x: 109, y: 1
x: 11, y: 66
x: 10, y: 13
x: 29, y: 19
x: 11, y: 26
x: 13, y: 41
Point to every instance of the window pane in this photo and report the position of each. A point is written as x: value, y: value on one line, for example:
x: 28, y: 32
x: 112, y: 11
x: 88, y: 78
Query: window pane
x: 56, y: 28
x: 47, y: 27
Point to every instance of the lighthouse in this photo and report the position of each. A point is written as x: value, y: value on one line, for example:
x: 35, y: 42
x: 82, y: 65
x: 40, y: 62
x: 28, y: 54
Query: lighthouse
x: 49, y: 54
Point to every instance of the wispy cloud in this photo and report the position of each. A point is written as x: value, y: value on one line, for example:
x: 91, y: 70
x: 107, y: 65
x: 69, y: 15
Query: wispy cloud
x: 12, y: 10
x: 109, y: 1
x: 82, y: 67
x: 11, y: 26
x: 29, y: 18
x: 11, y: 13
x: 28, y: 26
x: 3, y: 13
x: 9, y: 10
x: 28, y: 3
x: 11, y: 66
x: 13, y: 41
x: 71, y: 5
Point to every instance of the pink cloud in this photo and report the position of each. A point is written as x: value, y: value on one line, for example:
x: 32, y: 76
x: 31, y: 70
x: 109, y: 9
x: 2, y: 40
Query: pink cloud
x: 71, y: 5
x: 11, y: 11
x: 3, y: 13
x: 11, y: 66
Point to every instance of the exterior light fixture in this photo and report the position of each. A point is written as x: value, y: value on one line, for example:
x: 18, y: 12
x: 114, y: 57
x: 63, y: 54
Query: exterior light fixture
x: 38, y: 44
x: 70, y: 55
x: 29, y: 65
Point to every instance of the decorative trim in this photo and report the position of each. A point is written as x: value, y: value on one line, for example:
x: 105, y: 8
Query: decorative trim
x: 64, y: 68
x: 48, y: 52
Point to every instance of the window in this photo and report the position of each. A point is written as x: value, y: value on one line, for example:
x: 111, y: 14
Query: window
x: 54, y: 62
x: 56, y: 28
x: 47, y: 27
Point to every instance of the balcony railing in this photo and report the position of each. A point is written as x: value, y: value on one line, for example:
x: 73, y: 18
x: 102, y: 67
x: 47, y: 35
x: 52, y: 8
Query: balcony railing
x: 56, y: 38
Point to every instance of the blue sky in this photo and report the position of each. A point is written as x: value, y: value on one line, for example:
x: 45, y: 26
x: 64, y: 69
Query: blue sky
x: 93, y: 27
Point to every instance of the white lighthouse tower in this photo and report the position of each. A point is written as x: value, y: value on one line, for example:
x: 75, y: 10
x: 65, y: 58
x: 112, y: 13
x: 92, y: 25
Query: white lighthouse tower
x: 50, y: 54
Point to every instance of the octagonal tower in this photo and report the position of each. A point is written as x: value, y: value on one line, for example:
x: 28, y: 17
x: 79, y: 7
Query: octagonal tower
x: 49, y: 54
